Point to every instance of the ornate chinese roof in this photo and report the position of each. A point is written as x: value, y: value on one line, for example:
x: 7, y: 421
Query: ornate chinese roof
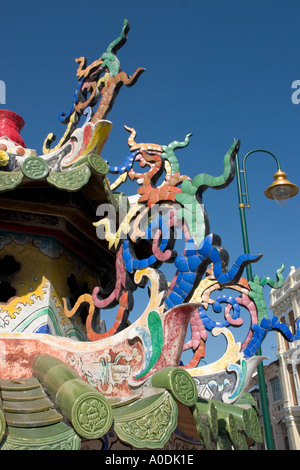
x: 70, y: 383
x: 55, y: 409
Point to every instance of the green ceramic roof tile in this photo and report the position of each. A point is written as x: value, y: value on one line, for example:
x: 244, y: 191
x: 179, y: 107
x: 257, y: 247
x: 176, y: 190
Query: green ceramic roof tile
x: 22, y: 384
x: 56, y: 377
x: 2, y: 422
x: 32, y: 406
x: 246, y: 399
x: 89, y: 170
x: 147, y: 423
x: 71, y: 180
x: 117, y: 402
x: 30, y: 420
x: 35, y: 168
x: 244, y: 415
x: 228, y: 425
x: 98, y: 164
x: 255, y: 428
x: 58, y: 436
x: 178, y: 382
x: 36, y: 433
x: 223, y: 441
x: 207, y: 409
x: 239, y: 414
x: 242, y: 441
x: 203, y: 429
x: 43, y: 364
x: 23, y: 395
x: 87, y: 409
x: 9, y: 181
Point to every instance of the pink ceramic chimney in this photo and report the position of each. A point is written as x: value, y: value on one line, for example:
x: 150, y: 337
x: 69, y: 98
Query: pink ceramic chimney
x: 11, y: 125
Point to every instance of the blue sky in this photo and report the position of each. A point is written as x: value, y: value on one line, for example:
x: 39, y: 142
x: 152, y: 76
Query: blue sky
x: 217, y: 69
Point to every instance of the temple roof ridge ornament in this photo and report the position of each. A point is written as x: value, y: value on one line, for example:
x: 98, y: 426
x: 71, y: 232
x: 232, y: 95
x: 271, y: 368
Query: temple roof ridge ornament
x: 11, y: 125
x: 100, y: 82
x: 11, y: 142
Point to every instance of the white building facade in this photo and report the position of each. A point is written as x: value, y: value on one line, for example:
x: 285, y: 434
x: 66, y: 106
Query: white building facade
x: 285, y: 304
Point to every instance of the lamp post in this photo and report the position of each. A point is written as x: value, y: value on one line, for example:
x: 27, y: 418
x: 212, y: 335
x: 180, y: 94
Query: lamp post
x: 280, y: 190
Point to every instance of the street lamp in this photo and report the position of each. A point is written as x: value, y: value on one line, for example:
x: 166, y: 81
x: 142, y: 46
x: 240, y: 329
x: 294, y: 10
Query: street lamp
x: 280, y: 190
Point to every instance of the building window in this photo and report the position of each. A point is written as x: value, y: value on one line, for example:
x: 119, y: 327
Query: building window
x: 286, y: 343
x: 276, y: 389
x: 292, y: 322
x: 292, y: 385
x: 298, y: 372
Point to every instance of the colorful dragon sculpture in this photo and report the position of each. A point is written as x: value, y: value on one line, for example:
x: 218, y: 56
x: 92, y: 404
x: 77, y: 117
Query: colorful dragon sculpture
x: 143, y: 233
x: 153, y: 221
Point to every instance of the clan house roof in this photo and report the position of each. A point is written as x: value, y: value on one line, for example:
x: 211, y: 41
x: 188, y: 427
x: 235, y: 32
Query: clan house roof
x: 64, y: 187
x: 67, y: 381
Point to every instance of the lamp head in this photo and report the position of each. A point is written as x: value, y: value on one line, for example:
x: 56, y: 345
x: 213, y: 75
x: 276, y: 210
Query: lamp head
x: 281, y: 189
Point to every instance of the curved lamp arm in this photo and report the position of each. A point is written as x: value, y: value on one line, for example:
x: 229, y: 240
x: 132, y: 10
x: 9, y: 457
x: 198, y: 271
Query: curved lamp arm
x: 244, y: 169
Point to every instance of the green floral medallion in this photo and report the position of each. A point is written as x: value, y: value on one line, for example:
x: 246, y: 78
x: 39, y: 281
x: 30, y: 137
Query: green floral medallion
x: 35, y: 168
x: 147, y: 423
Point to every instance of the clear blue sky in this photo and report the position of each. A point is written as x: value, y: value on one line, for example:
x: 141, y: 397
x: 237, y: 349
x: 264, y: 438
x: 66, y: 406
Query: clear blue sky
x: 218, y: 69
